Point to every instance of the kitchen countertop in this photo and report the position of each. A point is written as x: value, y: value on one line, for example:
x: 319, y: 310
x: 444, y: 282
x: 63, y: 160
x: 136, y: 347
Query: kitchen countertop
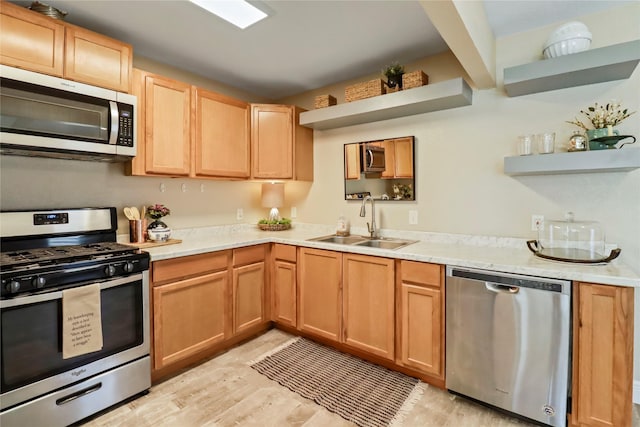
x: 509, y: 255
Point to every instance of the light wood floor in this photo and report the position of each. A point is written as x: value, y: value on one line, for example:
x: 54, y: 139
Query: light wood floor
x: 225, y: 391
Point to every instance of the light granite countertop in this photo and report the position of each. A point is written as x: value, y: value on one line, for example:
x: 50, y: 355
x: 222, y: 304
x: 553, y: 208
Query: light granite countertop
x: 508, y: 255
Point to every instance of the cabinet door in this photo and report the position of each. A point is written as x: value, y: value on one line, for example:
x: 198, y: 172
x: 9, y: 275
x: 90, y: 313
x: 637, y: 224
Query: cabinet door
x: 248, y: 296
x: 421, y: 325
x: 403, y: 159
x: 31, y: 41
x: 603, y: 355
x: 320, y: 292
x: 167, y: 111
x: 389, y: 159
x: 96, y: 59
x: 272, y: 141
x: 369, y: 313
x: 352, y: 161
x: 188, y: 316
x: 221, y: 136
x: 284, y: 292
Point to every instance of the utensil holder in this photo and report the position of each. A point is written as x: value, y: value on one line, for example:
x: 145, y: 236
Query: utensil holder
x: 137, y: 230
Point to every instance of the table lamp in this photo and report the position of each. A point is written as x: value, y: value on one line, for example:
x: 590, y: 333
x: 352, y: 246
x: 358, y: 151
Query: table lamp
x: 273, y: 197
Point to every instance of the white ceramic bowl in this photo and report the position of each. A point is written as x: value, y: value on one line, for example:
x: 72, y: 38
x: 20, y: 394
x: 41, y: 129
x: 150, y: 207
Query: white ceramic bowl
x: 159, y: 234
x: 570, y: 30
x: 566, y: 47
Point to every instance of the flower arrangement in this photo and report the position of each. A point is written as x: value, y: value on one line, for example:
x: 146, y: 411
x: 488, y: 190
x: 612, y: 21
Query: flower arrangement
x: 157, y: 211
x: 603, y: 116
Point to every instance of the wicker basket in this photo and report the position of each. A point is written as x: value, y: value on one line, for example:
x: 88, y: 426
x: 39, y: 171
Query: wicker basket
x: 323, y: 101
x: 364, y: 90
x: 392, y: 89
x: 414, y: 79
x: 274, y: 227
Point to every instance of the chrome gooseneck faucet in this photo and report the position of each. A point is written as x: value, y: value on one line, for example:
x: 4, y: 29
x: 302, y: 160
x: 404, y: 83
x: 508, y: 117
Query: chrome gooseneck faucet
x: 363, y: 211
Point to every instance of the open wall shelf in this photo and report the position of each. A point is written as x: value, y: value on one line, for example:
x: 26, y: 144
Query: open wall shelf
x: 433, y: 97
x: 604, y: 64
x: 614, y: 160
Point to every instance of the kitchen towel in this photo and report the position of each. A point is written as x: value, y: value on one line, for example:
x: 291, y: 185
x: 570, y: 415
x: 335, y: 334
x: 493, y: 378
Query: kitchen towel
x: 81, y: 321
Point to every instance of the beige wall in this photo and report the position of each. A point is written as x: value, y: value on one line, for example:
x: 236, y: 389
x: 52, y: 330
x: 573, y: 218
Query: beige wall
x: 460, y: 186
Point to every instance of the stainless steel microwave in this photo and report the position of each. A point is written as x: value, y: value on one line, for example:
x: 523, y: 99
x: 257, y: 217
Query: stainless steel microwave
x: 48, y: 116
x: 373, y: 160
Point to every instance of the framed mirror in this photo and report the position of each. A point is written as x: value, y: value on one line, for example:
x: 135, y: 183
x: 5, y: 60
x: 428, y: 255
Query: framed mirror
x: 383, y: 169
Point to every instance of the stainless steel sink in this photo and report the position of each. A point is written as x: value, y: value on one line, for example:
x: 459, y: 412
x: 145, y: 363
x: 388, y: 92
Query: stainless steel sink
x: 385, y: 243
x: 381, y: 243
x: 343, y: 240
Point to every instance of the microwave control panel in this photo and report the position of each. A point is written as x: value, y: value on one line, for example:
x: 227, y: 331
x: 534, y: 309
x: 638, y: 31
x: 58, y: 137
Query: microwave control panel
x: 125, y: 125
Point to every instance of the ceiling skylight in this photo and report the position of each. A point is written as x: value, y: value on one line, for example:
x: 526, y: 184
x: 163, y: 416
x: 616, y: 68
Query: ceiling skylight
x: 238, y: 12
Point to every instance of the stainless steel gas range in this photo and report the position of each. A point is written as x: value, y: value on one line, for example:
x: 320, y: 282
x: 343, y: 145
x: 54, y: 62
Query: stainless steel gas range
x: 46, y: 256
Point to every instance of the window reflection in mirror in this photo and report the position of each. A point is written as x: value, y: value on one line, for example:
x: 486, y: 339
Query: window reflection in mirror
x: 383, y: 169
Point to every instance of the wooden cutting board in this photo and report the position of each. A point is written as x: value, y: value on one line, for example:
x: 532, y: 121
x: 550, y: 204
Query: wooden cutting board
x: 151, y: 244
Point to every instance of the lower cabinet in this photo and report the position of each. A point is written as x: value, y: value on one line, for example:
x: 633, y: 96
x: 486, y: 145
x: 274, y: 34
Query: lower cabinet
x: 190, y: 310
x: 283, y: 284
x: 248, y: 288
x: 421, y: 318
x: 602, y: 355
x: 368, y: 304
x: 320, y: 293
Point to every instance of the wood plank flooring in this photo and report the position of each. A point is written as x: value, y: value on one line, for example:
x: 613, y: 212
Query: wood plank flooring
x: 225, y: 391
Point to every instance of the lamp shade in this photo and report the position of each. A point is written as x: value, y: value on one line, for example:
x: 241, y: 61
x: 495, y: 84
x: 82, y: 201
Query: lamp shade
x: 272, y: 195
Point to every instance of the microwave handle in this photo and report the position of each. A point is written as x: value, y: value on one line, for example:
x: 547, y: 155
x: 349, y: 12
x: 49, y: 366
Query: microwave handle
x: 369, y: 157
x: 113, y: 132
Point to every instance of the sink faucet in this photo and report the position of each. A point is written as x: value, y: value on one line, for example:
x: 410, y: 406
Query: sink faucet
x: 363, y: 211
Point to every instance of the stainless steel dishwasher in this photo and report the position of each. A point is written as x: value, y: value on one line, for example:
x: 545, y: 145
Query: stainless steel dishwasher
x: 508, y: 342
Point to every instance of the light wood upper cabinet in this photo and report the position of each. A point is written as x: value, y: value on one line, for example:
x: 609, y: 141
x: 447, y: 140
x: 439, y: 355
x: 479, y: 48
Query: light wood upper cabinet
x: 602, y: 355
x: 221, y: 146
x: 281, y: 149
x: 352, y: 161
x: 164, y: 126
x: 320, y: 292
x: 30, y: 40
x: 35, y: 42
x: 421, y: 319
x: 398, y: 155
x: 98, y: 60
x: 283, y: 284
x: 369, y: 304
x: 248, y: 288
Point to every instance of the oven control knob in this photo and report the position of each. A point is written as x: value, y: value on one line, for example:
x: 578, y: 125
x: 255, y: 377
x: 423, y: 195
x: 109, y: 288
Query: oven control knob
x: 13, y: 286
x: 109, y: 270
x: 39, y: 282
x: 128, y: 267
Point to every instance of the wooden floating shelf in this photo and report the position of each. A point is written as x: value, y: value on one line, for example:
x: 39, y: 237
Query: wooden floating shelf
x: 613, y: 160
x: 425, y: 99
x: 600, y: 65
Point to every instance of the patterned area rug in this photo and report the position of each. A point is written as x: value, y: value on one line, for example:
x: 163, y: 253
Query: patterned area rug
x: 361, y: 392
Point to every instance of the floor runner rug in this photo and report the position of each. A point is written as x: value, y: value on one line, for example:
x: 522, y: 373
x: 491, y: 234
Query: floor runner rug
x: 361, y: 392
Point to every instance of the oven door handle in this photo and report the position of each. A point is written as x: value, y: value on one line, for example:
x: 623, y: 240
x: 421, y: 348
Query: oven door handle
x: 48, y: 296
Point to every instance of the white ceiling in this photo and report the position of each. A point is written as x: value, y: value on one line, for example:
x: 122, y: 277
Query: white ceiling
x: 303, y: 44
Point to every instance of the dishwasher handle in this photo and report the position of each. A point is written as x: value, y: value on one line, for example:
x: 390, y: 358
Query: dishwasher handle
x: 501, y: 289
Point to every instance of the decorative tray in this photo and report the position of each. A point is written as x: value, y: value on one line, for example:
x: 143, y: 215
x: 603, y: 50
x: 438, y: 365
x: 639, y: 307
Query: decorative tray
x: 150, y: 243
x: 574, y: 255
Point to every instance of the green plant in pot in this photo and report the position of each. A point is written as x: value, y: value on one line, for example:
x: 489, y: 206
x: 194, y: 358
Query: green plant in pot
x: 393, y: 72
x: 603, y: 118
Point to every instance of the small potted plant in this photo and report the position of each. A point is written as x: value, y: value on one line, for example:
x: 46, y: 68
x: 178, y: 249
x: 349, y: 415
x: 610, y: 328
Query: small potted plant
x: 393, y: 72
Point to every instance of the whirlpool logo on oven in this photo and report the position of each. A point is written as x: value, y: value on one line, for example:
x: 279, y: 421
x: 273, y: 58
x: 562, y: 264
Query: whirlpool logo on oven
x: 78, y: 373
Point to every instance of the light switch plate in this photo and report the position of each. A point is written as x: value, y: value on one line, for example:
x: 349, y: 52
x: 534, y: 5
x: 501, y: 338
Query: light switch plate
x: 413, y: 217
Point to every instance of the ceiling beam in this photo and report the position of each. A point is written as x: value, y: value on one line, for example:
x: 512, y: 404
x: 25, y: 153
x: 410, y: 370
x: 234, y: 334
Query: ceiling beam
x: 464, y: 27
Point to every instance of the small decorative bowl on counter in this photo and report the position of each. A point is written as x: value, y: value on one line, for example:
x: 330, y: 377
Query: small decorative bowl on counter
x: 160, y: 234
x: 274, y: 224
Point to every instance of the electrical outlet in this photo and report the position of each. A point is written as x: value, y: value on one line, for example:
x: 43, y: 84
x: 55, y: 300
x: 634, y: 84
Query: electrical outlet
x: 183, y: 187
x: 239, y: 214
x: 537, y: 222
x: 413, y: 217
x: 294, y: 212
